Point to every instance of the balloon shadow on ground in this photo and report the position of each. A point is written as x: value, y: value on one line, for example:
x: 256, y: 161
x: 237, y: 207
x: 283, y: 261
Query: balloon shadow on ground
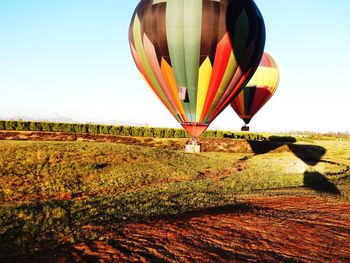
x: 309, y: 154
x: 319, y: 183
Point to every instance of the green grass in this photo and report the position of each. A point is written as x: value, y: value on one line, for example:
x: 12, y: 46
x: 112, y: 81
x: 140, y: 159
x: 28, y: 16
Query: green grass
x: 53, y: 191
x: 49, y: 169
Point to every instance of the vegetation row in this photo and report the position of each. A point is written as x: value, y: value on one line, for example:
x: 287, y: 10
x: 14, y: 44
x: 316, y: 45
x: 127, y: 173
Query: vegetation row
x: 130, y: 131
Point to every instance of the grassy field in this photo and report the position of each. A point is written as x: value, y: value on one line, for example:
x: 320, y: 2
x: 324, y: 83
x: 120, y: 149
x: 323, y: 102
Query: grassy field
x: 54, y: 193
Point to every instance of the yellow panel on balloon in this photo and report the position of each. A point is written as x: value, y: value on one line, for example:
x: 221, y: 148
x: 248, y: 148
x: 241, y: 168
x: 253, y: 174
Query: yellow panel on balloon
x: 203, y: 83
x: 263, y: 77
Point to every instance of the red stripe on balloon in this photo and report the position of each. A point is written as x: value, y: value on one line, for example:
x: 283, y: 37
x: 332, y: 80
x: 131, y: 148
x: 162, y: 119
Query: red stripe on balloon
x: 222, y: 57
x: 262, y: 95
x: 266, y: 61
x: 235, y: 106
x: 195, y: 129
x: 229, y: 98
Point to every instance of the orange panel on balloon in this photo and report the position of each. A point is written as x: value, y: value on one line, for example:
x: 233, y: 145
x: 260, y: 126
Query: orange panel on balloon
x: 195, y: 129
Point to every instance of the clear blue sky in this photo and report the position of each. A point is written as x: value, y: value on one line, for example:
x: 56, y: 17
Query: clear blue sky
x: 71, y: 58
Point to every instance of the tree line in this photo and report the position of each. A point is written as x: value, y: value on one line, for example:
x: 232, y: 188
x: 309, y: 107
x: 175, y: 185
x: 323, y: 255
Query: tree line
x: 12, y: 125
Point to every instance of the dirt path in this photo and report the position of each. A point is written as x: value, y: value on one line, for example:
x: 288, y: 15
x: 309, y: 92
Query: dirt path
x: 273, y: 229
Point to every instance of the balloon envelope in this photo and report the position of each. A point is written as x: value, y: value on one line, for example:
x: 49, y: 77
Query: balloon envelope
x: 196, y: 54
x: 259, y: 90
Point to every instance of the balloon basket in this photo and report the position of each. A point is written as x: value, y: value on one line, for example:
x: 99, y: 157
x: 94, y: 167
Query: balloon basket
x: 193, y: 147
x: 190, y: 148
x: 245, y: 128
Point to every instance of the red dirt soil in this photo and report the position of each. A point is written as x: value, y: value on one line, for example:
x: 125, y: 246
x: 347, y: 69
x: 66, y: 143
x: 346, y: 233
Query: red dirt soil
x: 269, y: 229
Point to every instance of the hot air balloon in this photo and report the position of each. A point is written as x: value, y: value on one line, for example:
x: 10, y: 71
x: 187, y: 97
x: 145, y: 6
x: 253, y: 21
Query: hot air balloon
x: 196, y: 54
x: 258, y: 91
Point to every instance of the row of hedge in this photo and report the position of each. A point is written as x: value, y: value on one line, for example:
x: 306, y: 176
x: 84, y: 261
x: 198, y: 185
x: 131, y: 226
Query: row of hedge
x: 92, y: 129
x: 126, y: 130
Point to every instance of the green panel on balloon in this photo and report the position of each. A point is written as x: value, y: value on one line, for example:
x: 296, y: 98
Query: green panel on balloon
x: 192, y: 36
x: 248, y: 97
x: 175, y: 38
x: 241, y: 36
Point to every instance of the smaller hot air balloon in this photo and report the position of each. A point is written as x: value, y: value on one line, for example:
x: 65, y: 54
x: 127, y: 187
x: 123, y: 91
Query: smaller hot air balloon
x: 258, y: 91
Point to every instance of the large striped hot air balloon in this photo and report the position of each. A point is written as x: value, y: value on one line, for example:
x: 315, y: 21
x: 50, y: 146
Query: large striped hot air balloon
x: 196, y: 54
x: 258, y: 91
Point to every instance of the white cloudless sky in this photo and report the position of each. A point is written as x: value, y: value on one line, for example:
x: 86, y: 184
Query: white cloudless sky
x: 71, y: 58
